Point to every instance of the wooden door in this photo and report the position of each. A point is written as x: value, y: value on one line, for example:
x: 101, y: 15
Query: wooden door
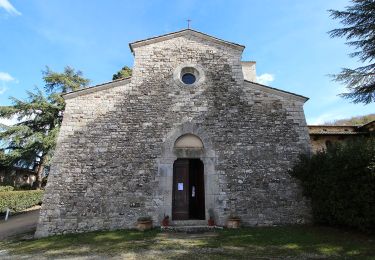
x: 180, y: 200
x: 196, y: 187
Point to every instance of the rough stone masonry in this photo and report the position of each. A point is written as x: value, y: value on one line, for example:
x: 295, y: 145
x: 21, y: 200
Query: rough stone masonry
x: 116, y: 148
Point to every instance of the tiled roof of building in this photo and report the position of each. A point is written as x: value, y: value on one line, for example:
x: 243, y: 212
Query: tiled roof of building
x: 340, y: 129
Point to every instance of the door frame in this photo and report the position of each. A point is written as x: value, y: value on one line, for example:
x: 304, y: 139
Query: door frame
x: 200, y: 191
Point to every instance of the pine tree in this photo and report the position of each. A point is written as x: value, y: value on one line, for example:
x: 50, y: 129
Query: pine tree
x: 31, y: 141
x: 359, y: 31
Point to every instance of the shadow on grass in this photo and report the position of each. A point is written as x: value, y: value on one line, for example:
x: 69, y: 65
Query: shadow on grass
x: 294, y: 241
x: 107, y: 242
x: 297, y: 241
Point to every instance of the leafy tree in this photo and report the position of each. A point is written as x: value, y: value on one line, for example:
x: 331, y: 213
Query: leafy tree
x: 125, y: 72
x: 359, y: 31
x: 31, y: 141
x: 67, y: 81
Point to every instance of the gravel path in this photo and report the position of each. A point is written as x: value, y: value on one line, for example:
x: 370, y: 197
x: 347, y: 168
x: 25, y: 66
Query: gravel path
x: 18, y: 224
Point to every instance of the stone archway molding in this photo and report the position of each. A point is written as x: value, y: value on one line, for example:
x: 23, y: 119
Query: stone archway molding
x: 168, y: 150
x: 164, y: 176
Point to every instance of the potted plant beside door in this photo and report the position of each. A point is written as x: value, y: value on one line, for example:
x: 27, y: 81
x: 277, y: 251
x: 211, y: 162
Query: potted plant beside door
x: 144, y: 223
x: 233, y: 221
x: 211, y: 221
x: 165, y: 222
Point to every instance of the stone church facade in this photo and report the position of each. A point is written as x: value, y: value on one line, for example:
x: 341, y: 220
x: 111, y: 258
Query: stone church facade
x: 186, y: 136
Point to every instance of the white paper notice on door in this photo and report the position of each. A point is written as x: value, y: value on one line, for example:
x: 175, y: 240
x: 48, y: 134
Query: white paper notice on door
x: 180, y: 186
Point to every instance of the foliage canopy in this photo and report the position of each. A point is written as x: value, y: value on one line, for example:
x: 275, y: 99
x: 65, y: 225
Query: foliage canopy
x: 31, y: 141
x: 356, y: 120
x: 341, y: 183
x: 359, y: 31
x: 125, y: 72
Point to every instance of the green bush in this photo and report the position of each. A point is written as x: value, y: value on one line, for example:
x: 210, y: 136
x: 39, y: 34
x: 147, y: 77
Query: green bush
x: 6, y: 188
x: 19, y: 200
x: 341, y: 184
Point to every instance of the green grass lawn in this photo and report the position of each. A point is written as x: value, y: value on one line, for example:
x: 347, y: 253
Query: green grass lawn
x: 296, y: 242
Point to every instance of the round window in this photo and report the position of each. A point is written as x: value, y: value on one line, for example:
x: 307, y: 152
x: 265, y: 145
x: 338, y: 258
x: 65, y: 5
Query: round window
x: 188, y: 75
x: 188, y: 78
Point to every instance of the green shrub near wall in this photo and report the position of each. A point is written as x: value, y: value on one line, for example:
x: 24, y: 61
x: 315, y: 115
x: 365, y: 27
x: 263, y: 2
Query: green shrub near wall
x: 19, y: 200
x: 340, y: 183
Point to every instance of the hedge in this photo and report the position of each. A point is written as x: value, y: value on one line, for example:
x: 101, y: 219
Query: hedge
x: 340, y: 183
x: 19, y: 200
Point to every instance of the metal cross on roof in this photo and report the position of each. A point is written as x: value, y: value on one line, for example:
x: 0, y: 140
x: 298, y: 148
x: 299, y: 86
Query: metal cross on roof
x: 188, y: 21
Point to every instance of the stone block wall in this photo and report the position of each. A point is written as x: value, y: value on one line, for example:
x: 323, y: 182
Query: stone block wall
x: 115, y: 149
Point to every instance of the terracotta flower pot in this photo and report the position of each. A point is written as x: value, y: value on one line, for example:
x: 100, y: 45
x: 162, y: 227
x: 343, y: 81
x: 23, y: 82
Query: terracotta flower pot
x: 144, y: 225
x: 165, y: 223
x: 211, y: 222
x: 233, y: 223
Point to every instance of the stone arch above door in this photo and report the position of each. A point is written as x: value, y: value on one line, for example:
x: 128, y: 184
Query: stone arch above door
x: 188, y: 141
x: 170, y: 151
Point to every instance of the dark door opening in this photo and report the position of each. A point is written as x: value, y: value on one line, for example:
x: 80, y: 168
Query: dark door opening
x: 188, y: 190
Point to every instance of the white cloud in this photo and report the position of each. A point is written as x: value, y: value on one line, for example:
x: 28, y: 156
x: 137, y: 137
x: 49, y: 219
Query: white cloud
x: 265, y: 78
x: 6, y: 77
x: 332, y: 94
x: 15, y: 119
x: 9, y: 121
x: 9, y: 7
x: 2, y: 90
x: 328, y: 117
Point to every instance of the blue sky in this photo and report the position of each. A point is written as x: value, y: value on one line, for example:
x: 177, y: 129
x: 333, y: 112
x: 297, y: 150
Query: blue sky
x: 287, y: 38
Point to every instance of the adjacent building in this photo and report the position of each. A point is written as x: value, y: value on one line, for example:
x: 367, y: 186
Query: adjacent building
x: 323, y: 136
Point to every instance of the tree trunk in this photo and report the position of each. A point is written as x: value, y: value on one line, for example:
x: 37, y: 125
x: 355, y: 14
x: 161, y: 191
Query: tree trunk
x: 39, y: 173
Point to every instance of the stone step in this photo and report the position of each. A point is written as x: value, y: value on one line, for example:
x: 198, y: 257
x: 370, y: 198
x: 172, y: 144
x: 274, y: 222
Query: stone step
x: 190, y: 229
x: 190, y: 222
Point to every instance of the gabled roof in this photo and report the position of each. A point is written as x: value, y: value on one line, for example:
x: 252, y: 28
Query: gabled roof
x: 103, y: 86
x: 123, y: 81
x: 279, y: 91
x: 368, y: 126
x: 184, y: 32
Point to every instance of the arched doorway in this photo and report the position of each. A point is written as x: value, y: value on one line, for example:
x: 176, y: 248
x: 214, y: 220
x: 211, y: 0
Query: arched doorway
x: 188, y: 141
x: 188, y: 200
x: 188, y: 179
